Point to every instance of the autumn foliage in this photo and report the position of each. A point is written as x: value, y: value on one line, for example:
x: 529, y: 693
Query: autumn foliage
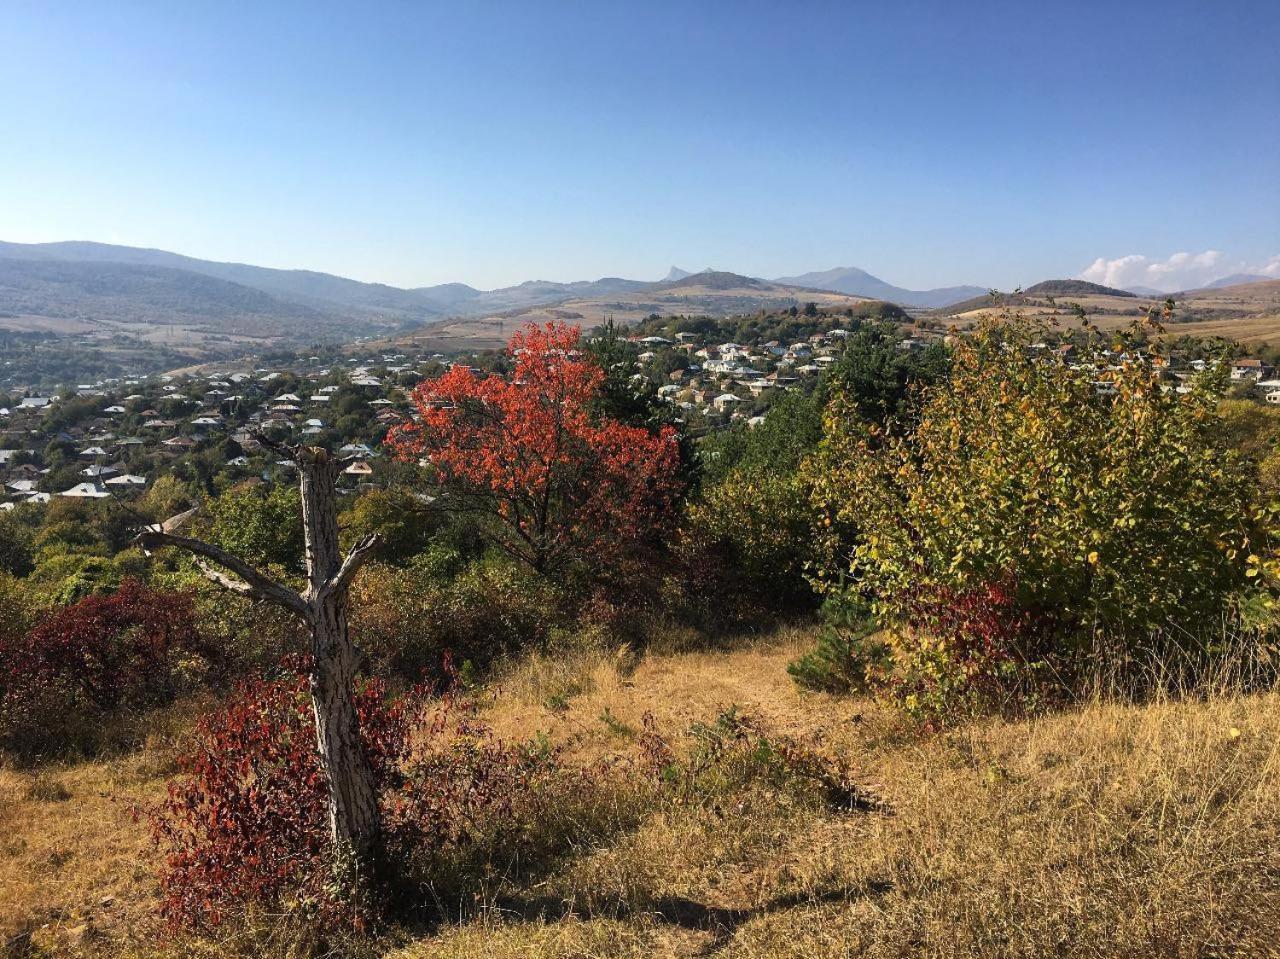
x: 244, y: 826
x: 132, y: 648
x: 558, y: 482
x: 246, y: 821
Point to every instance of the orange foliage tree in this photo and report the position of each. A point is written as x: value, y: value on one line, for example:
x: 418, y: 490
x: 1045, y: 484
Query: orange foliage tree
x: 556, y: 482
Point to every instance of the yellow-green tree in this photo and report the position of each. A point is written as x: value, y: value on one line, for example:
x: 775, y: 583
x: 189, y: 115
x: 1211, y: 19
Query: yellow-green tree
x: 1096, y: 501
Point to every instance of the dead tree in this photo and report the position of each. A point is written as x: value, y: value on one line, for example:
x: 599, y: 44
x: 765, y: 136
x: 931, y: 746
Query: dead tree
x: 355, y: 820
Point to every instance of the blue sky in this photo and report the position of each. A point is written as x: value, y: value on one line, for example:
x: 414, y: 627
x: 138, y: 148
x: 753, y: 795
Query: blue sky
x: 416, y: 143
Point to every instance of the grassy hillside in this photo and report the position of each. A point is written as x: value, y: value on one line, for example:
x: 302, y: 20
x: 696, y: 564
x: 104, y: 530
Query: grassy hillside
x: 1249, y: 313
x: 704, y: 294
x: 1105, y: 830
x: 99, y: 293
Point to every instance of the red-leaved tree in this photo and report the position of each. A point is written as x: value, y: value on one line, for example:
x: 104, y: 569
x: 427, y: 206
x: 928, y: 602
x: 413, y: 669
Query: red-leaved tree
x: 559, y: 482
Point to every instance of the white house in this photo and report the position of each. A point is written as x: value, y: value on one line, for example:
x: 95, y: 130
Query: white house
x: 1248, y: 368
x: 85, y: 491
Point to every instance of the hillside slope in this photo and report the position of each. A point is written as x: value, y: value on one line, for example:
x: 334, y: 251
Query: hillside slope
x: 1106, y: 830
x: 106, y: 292
x: 848, y: 279
x: 710, y: 293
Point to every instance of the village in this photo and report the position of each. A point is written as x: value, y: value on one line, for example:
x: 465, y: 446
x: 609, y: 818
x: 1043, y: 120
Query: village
x: 213, y: 429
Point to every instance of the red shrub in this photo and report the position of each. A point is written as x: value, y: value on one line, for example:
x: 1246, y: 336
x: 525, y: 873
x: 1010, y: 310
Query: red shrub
x: 247, y: 821
x: 104, y: 653
x: 463, y: 786
x: 973, y: 650
x: 246, y: 824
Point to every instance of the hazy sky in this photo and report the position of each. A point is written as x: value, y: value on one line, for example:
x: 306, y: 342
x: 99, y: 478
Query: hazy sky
x: 416, y: 143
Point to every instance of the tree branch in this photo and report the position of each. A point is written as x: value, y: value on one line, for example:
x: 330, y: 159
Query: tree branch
x: 251, y: 583
x: 359, y: 554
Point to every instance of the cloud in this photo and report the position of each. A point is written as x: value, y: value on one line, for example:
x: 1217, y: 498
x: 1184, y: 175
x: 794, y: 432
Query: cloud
x: 1181, y: 271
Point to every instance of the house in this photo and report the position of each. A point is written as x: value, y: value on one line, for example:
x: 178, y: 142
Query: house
x: 359, y: 468
x: 725, y: 400
x: 1248, y: 369
x: 34, y: 402
x: 127, y: 479
x: 85, y: 491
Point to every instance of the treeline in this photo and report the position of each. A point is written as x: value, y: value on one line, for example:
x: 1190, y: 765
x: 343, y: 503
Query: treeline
x: 785, y: 326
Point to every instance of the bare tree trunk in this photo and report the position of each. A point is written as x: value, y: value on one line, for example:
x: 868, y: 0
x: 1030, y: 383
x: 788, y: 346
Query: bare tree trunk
x: 354, y: 817
x: 355, y: 820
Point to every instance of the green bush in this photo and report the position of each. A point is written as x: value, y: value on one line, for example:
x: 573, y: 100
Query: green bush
x: 763, y: 525
x: 407, y: 619
x: 260, y: 524
x: 1108, y: 516
x: 847, y: 656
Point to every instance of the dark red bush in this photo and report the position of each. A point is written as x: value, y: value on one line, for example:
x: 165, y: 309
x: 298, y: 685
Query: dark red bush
x: 128, y: 649
x: 976, y: 650
x: 246, y: 824
x: 247, y: 820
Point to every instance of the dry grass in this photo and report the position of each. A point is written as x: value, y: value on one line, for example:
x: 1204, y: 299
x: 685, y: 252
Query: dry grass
x: 74, y: 866
x: 1106, y: 831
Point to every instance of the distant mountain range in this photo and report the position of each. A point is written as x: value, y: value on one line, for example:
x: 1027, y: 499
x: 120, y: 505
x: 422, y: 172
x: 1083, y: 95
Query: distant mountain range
x: 74, y: 285
x: 107, y: 282
x: 81, y: 286
x: 849, y: 279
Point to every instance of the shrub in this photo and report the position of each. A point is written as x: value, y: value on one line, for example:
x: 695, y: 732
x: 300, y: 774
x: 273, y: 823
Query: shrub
x: 16, y: 545
x: 1106, y: 512
x: 244, y: 827
x: 763, y: 525
x: 18, y: 610
x: 976, y: 651
x: 735, y: 754
x: 134, y: 648
x: 404, y: 523
x: 246, y: 822
x: 259, y: 524
x: 847, y: 656
x: 407, y: 619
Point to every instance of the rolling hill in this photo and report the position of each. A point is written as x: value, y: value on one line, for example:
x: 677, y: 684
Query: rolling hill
x: 1248, y: 313
x: 55, y: 295
x: 1073, y: 288
x: 714, y: 293
x: 848, y: 279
